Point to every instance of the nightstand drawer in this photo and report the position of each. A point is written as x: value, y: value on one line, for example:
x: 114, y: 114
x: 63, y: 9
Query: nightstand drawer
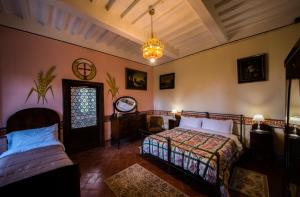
x: 172, y: 123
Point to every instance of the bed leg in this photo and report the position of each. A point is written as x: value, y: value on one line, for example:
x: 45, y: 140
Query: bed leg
x: 198, y: 166
x: 217, y: 187
x: 142, y: 147
x: 169, y: 154
x: 241, y: 127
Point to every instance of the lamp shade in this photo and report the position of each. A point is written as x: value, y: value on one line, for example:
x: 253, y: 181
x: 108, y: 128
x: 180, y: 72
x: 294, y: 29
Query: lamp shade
x: 258, y: 117
x: 174, y: 111
x: 295, y: 120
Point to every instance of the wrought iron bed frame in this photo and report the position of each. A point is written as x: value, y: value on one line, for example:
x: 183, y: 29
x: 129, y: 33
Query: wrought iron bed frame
x: 237, y: 119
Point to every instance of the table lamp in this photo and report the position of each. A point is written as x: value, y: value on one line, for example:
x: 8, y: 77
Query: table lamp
x: 174, y: 112
x: 295, y: 120
x: 258, y: 118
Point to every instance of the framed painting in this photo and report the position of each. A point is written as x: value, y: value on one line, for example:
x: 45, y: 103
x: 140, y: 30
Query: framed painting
x: 252, y: 69
x: 167, y: 81
x: 135, y: 79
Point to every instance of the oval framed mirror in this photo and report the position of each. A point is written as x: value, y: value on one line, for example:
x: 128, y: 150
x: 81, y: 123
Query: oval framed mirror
x: 125, y: 104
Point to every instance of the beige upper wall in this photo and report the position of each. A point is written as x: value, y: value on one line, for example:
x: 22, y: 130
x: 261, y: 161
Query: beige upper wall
x: 207, y: 81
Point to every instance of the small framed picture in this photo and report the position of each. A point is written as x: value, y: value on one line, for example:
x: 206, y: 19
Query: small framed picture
x: 135, y: 79
x: 252, y: 69
x: 167, y: 81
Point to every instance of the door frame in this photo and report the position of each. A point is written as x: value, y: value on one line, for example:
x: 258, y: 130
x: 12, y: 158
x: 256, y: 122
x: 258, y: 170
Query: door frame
x: 67, y: 105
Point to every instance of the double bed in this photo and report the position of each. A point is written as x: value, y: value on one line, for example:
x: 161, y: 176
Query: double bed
x: 35, y: 163
x: 204, y: 146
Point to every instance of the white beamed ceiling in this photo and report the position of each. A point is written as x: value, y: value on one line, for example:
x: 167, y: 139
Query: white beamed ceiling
x: 119, y: 27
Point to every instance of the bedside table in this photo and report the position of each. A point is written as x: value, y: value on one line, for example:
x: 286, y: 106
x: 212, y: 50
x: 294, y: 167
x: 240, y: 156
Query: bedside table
x: 292, y: 147
x: 173, y: 123
x: 292, y: 158
x: 261, y: 144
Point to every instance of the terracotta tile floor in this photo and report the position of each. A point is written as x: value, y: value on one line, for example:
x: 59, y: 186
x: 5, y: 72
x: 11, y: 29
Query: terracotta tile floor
x: 100, y: 163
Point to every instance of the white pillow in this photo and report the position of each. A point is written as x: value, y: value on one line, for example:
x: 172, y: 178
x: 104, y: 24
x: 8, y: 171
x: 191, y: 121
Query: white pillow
x: 222, y: 126
x: 190, y: 122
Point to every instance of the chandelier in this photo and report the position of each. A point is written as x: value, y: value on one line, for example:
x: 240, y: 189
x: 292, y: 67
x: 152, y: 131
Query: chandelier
x: 153, y: 48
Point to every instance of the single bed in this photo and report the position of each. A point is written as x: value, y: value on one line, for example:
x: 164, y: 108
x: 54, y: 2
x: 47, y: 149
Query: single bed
x: 202, y: 153
x: 36, y: 170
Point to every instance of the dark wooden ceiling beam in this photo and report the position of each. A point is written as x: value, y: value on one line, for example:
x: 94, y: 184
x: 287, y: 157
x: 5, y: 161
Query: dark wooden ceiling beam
x: 129, y: 8
x: 109, y: 4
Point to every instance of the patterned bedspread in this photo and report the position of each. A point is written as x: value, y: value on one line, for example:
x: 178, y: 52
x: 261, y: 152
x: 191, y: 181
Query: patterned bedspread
x: 189, y: 147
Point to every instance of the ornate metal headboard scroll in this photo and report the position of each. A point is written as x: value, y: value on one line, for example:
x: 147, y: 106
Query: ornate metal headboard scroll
x: 32, y: 118
x: 195, y: 114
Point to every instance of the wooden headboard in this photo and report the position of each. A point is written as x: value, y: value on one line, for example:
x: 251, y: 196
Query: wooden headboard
x: 32, y: 118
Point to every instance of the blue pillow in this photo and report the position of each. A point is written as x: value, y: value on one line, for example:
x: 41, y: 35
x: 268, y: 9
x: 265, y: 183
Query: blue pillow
x: 24, y: 140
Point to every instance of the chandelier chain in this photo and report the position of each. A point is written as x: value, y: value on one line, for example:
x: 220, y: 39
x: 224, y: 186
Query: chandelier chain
x: 152, y: 27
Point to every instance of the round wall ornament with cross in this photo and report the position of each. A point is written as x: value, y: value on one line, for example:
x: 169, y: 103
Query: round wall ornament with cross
x: 84, y: 69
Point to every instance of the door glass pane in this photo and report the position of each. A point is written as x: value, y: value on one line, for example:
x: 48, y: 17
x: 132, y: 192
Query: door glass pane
x: 83, y: 107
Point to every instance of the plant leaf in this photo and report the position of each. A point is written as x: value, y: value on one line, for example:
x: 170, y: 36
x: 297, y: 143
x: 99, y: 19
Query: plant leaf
x: 44, y: 99
x: 50, y: 71
x: 111, y: 82
x: 50, y: 79
x: 40, y: 77
x: 42, y: 85
x: 50, y: 88
x: 30, y: 92
x: 39, y: 96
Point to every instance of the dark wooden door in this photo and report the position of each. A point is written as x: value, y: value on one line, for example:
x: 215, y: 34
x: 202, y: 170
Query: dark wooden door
x: 83, y: 115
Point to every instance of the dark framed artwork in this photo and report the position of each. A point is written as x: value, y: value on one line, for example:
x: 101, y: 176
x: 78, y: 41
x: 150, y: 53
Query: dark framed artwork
x: 135, y: 79
x: 167, y: 81
x: 252, y: 69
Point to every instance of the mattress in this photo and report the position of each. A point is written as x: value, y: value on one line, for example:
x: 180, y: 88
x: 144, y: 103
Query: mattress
x: 23, y: 165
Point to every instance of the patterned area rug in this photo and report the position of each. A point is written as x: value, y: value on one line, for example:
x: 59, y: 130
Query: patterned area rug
x: 136, y: 181
x: 250, y: 183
